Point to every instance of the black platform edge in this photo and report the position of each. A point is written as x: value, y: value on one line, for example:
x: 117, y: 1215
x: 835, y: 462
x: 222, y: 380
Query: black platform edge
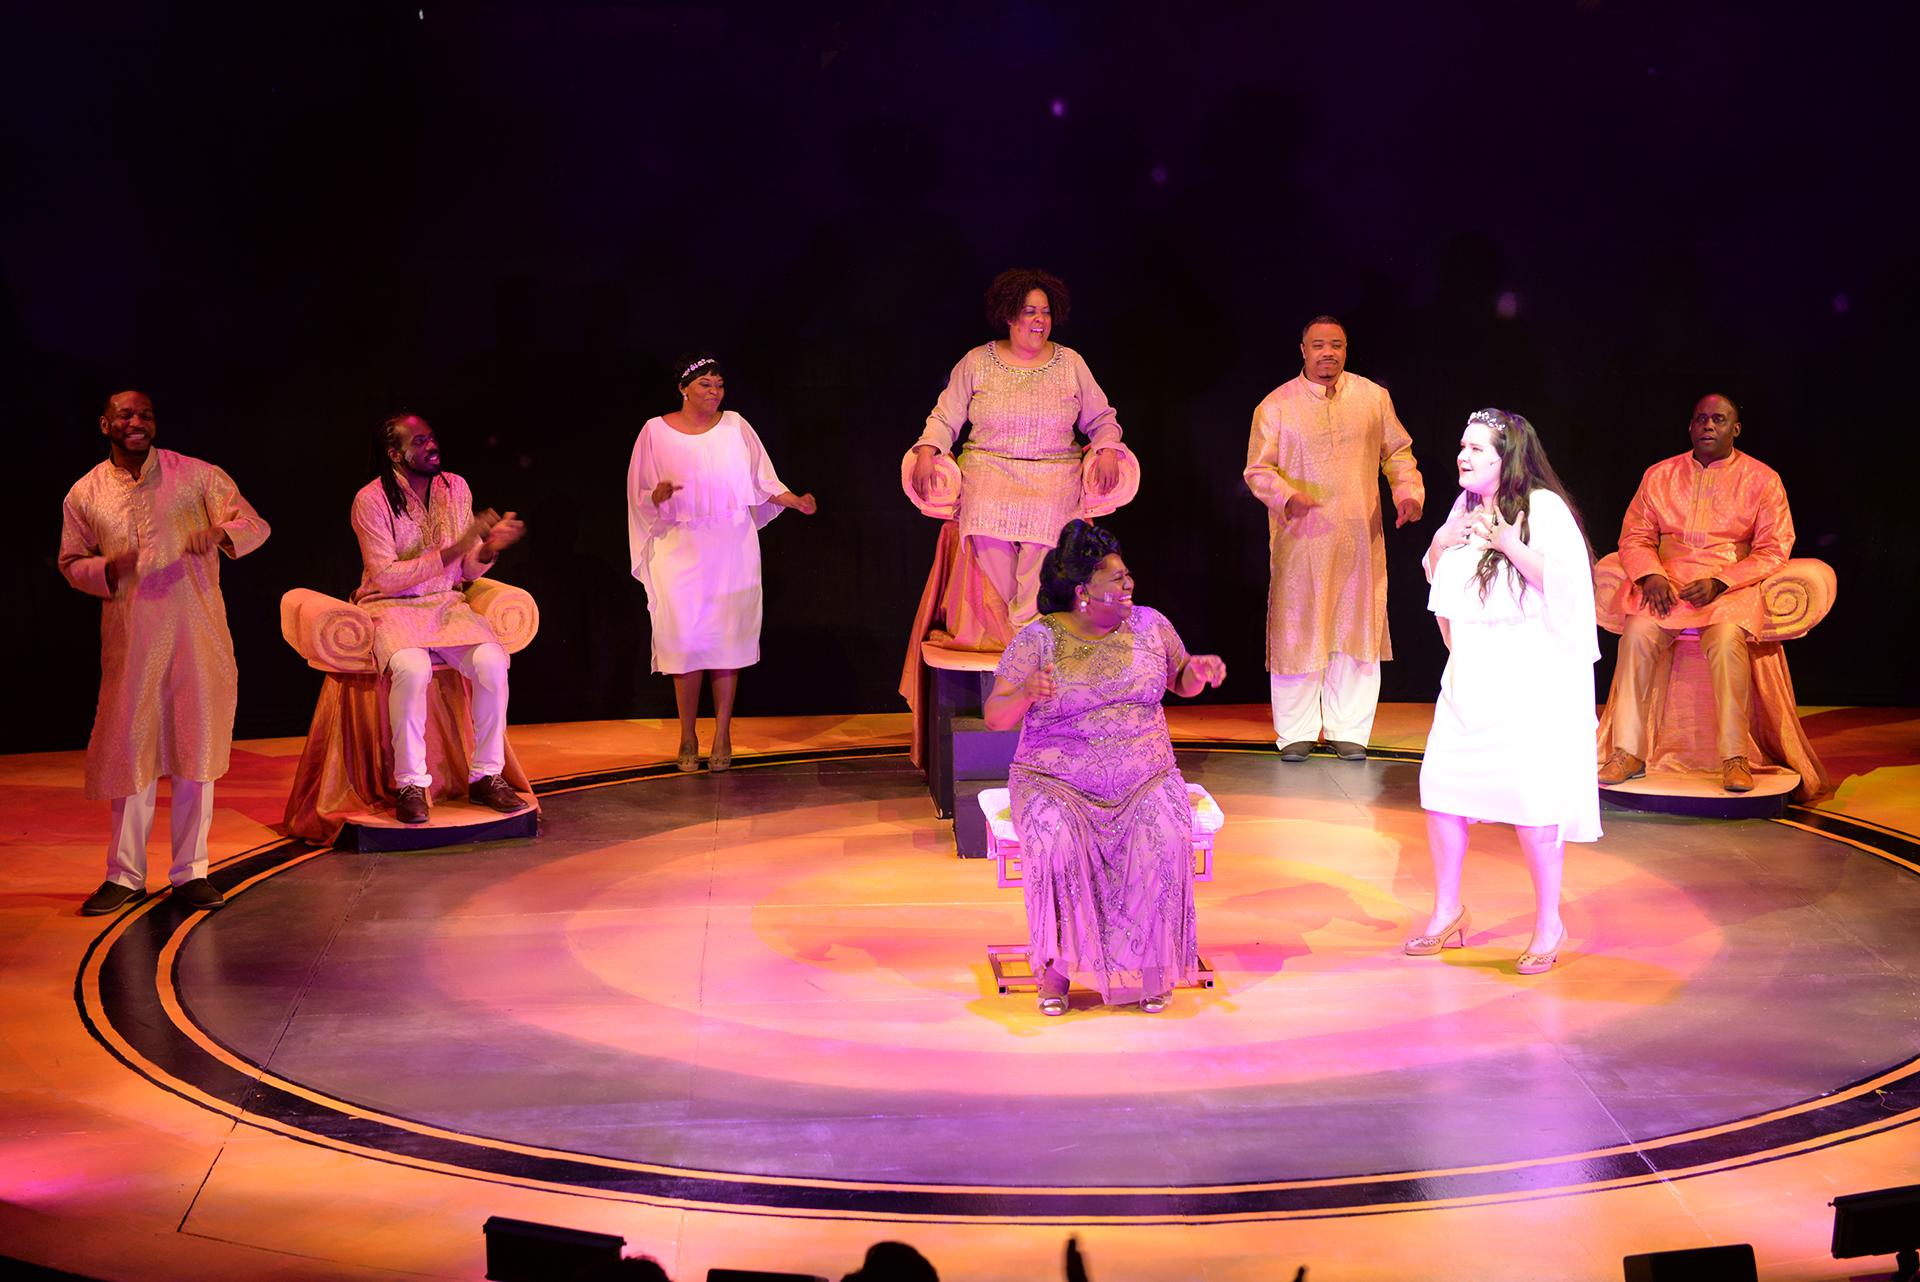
x: 21, y: 1271
x: 1892, y: 842
x: 1732, y: 805
x: 367, y: 839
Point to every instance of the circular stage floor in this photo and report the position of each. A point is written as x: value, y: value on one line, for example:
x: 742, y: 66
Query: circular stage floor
x: 769, y: 989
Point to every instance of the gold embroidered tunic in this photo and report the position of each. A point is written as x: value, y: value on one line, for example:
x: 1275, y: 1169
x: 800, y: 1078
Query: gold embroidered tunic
x: 415, y: 598
x: 168, y: 682
x: 1327, y: 590
x: 1021, y: 466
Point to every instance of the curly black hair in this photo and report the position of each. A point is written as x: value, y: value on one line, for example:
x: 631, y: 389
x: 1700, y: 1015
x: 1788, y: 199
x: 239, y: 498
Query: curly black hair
x: 1008, y: 294
x: 1082, y: 547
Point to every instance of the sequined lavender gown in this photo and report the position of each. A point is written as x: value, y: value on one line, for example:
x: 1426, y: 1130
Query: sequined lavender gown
x: 1105, y: 826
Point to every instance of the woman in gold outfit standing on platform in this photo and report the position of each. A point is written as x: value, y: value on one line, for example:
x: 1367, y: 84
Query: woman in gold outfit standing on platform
x: 1028, y: 400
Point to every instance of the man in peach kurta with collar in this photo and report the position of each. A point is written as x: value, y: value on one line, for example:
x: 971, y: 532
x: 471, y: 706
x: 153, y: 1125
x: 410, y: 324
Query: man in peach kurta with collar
x: 145, y: 531
x: 1317, y: 446
x: 1704, y: 530
x: 420, y: 543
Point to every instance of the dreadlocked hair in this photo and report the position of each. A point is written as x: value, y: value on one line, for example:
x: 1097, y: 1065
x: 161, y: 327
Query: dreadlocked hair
x: 380, y: 461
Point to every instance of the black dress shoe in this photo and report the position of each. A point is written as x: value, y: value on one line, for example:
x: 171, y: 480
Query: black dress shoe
x: 410, y: 807
x: 111, y: 897
x: 495, y: 791
x: 200, y: 895
x: 1297, y: 751
x: 1348, y: 750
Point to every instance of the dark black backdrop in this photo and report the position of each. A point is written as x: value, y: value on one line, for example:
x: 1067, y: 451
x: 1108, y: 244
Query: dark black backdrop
x: 287, y: 221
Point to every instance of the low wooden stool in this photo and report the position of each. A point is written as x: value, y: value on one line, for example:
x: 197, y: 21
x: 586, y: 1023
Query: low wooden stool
x: 1012, y: 970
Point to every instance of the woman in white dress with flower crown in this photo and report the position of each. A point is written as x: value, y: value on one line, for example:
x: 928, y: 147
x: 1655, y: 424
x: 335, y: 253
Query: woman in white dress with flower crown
x: 1513, y: 730
x: 699, y: 487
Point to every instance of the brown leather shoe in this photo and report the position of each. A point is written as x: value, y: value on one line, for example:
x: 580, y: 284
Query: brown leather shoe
x: 200, y: 895
x: 1299, y: 750
x: 111, y: 897
x: 1620, y: 767
x: 495, y: 791
x: 410, y: 807
x: 1736, y: 775
x: 1348, y: 750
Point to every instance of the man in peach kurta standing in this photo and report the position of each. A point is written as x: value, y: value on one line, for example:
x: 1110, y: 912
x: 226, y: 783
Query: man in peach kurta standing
x: 1318, y: 443
x: 144, y: 531
x: 1704, y: 530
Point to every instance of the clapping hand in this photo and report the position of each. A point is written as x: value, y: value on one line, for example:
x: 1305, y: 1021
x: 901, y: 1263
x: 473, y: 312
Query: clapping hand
x: 664, y: 491
x: 1211, y: 669
x: 502, y: 534
x: 1042, y: 685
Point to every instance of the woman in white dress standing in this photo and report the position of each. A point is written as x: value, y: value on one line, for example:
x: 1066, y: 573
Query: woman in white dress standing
x: 1513, y: 731
x: 699, y: 488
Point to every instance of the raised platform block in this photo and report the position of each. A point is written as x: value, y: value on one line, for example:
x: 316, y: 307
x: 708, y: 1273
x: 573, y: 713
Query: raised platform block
x: 449, y: 823
x: 1698, y: 794
x: 958, y: 682
x: 981, y: 760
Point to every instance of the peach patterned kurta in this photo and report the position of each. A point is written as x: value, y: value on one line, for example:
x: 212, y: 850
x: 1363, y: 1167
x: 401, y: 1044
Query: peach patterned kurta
x: 1327, y: 591
x: 1727, y: 520
x: 1021, y: 464
x: 168, y: 683
x: 414, y: 598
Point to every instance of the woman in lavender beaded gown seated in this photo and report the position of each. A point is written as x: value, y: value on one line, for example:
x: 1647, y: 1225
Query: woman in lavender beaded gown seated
x: 1105, y: 826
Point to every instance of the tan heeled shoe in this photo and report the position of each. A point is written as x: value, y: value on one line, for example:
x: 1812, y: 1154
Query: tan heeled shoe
x: 1531, y: 963
x: 1054, y: 988
x: 1455, y: 930
x: 689, y: 760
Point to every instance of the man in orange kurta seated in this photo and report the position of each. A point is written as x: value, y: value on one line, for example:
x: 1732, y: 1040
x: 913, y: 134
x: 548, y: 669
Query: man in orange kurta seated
x: 1704, y: 530
x: 145, y: 531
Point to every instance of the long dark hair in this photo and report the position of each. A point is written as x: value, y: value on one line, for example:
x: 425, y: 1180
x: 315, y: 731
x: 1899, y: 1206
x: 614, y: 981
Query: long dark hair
x: 1082, y: 547
x: 1523, y: 469
x: 380, y: 461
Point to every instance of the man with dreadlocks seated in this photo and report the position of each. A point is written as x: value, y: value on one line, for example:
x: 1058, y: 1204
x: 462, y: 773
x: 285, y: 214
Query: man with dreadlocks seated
x: 420, y: 542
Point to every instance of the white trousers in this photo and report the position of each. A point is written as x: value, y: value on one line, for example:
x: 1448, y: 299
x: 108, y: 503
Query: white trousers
x: 192, y: 807
x: 1014, y: 571
x: 1339, y: 699
x: 411, y: 672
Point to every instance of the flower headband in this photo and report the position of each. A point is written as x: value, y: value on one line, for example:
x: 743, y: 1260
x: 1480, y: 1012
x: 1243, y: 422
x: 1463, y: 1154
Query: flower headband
x: 1488, y: 418
x: 686, y: 375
